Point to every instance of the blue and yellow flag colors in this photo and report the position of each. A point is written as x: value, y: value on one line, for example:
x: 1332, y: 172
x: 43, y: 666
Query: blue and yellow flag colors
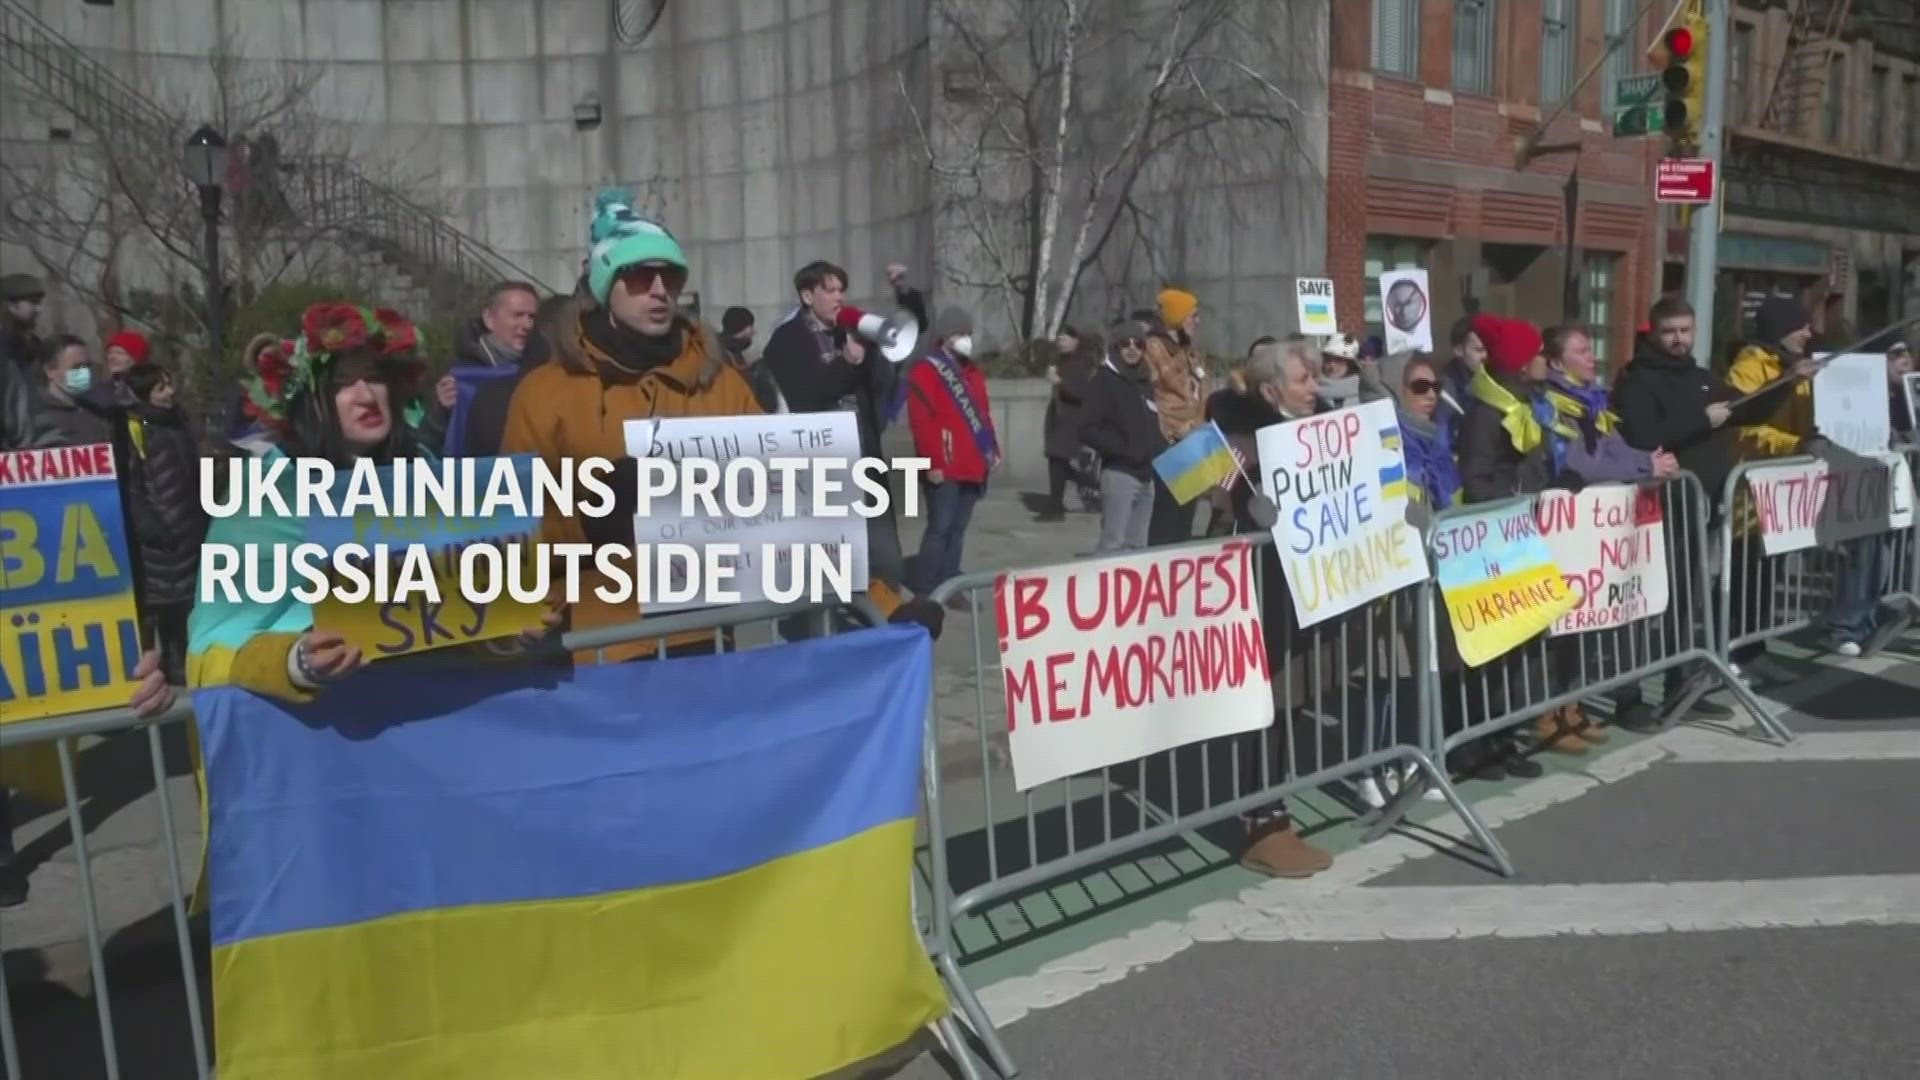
x: 69, y: 638
x: 1393, y: 478
x: 687, y: 868
x: 1196, y: 464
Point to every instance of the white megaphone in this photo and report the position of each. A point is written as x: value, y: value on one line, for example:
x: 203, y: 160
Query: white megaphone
x: 896, y: 334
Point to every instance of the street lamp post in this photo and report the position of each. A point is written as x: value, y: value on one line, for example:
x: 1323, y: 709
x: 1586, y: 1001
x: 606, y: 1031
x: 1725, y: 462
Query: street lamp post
x: 205, y: 160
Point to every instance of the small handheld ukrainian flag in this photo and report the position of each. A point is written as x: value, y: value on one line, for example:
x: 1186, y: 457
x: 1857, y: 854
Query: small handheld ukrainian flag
x: 1196, y: 464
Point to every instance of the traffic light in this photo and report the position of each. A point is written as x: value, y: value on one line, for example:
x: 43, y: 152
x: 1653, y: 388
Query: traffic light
x: 1685, y: 80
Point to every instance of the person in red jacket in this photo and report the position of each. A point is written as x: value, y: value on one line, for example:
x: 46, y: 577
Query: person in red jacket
x: 953, y: 429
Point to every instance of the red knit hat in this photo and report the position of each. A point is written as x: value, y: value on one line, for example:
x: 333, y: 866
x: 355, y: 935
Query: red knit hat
x: 134, y: 342
x: 1511, y: 343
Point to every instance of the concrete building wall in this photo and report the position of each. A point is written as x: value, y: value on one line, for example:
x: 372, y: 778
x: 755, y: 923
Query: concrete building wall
x: 765, y: 132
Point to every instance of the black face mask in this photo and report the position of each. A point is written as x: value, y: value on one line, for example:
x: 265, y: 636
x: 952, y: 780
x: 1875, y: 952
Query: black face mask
x: 740, y: 343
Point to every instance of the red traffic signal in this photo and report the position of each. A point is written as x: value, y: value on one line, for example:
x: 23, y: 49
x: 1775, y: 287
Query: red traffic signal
x: 1680, y: 43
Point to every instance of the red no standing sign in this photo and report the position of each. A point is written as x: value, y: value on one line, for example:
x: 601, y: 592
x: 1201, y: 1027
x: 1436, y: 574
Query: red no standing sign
x: 1684, y: 180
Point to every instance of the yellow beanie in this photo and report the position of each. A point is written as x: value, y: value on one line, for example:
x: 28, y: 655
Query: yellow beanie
x: 1176, y: 305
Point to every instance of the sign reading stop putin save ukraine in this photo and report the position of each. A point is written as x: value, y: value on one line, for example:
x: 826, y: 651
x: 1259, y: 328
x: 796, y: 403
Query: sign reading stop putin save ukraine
x: 1338, y: 482
x: 69, y: 636
x: 1499, y: 580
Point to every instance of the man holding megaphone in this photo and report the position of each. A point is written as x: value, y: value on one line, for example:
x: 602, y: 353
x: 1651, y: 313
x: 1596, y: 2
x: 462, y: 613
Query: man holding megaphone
x: 817, y: 372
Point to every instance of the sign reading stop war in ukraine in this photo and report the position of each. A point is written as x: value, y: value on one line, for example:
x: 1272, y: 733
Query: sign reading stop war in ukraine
x: 1499, y: 581
x: 69, y: 635
x: 1338, y: 482
x: 1610, y: 544
x: 1113, y: 659
x: 418, y: 623
x: 1819, y: 503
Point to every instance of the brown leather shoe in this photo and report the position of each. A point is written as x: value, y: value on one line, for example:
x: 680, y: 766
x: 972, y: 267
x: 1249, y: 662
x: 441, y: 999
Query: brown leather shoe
x: 1555, y: 732
x: 1274, y: 849
x: 1588, y: 731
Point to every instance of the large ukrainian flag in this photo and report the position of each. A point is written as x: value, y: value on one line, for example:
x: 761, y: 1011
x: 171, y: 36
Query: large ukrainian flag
x: 689, y: 868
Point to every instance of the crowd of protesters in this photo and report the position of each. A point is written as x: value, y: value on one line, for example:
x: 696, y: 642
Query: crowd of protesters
x: 1508, y: 411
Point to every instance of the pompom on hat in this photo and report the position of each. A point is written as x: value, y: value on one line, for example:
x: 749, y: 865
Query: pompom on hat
x: 280, y: 373
x: 619, y: 237
x: 1511, y: 343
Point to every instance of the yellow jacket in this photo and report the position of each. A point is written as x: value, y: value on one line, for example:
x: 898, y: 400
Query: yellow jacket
x: 1790, y: 423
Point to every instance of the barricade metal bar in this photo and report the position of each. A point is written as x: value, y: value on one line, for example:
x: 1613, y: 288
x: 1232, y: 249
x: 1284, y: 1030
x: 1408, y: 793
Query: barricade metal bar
x: 1331, y: 659
x: 9, y: 1048
x: 96, y: 955
x: 189, y: 972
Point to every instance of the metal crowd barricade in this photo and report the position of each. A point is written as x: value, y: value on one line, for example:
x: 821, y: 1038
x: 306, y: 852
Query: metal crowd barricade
x: 1348, y: 701
x: 1762, y: 597
x: 1549, y: 673
x: 733, y: 628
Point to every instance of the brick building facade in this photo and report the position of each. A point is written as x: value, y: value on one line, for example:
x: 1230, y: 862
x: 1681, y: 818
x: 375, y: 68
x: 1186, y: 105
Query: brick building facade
x: 1425, y: 112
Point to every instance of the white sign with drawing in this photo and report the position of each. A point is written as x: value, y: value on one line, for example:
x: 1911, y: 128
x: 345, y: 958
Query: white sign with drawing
x: 1406, y: 307
x: 1850, y: 402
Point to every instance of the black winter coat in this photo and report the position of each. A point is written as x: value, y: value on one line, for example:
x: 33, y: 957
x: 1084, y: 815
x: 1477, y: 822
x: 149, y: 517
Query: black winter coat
x: 1117, y: 420
x: 1064, y: 410
x: 1491, y: 467
x: 813, y: 384
x: 163, y: 505
x: 1662, y: 404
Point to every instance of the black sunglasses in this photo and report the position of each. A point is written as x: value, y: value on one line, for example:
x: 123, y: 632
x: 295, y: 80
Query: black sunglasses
x: 639, y: 279
x: 1133, y: 343
x: 1423, y: 386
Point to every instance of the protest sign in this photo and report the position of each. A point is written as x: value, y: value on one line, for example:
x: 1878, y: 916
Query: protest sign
x: 1338, y: 482
x: 417, y: 623
x: 1499, y: 580
x: 69, y: 633
x: 833, y: 436
x: 1610, y: 544
x: 467, y: 381
x: 1407, y: 310
x: 1850, y: 402
x: 1314, y: 297
x: 1112, y: 659
x: 1815, y: 504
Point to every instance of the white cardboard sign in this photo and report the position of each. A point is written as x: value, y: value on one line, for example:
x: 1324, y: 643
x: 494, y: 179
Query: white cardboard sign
x: 1610, y: 543
x: 1813, y: 504
x: 1850, y: 402
x: 1406, y: 307
x: 1108, y: 660
x: 1339, y: 486
x: 1314, y: 299
x: 831, y: 435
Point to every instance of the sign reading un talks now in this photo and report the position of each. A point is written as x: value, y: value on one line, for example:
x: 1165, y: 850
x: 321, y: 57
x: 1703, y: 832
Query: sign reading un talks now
x: 69, y: 638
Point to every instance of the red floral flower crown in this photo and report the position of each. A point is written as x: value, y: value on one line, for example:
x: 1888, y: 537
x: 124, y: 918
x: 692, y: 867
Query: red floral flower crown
x: 283, y: 371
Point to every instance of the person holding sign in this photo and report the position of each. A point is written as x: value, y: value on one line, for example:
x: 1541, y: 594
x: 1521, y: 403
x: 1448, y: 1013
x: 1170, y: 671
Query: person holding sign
x: 625, y: 352
x: 334, y: 392
x: 1786, y: 330
x: 1276, y: 385
x: 1179, y: 381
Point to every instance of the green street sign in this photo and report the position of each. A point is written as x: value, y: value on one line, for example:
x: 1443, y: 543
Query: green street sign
x: 1639, y: 105
x: 1639, y: 120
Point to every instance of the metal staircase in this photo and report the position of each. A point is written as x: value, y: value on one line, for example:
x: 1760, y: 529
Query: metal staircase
x: 328, y: 194
x: 1800, y: 83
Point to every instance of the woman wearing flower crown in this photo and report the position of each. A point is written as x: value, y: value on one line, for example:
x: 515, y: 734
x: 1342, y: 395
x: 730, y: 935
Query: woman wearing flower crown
x: 334, y: 392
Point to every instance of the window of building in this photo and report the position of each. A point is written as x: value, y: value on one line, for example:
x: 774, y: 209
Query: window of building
x: 1473, y: 46
x: 1739, y: 60
x: 1833, y: 100
x: 1879, y: 127
x: 1620, y: 58
x: 1396, y: 37
x: 1559, y: 41
x: 1600, y: 276
x: 1386, y: 253
x: 1913, y: 120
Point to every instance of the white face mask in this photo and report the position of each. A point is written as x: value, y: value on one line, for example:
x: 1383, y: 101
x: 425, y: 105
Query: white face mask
x: 960, y: 345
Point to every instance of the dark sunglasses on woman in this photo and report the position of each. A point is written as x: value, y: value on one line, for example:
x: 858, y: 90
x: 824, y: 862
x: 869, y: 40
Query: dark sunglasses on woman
x: 1422, y: 386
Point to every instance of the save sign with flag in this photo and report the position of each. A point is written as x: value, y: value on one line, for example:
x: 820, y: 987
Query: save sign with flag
x: 695, y: 867
x: 1339, y: 487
